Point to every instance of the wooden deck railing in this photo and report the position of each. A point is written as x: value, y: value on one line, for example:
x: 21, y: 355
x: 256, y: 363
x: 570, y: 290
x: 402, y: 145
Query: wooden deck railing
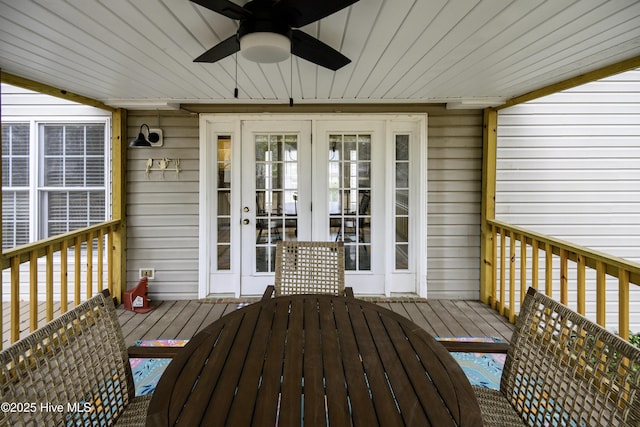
x: 516, y: 265
x: 88, y: 246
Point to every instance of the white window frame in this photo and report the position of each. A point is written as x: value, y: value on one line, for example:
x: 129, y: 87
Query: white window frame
x: 37, y: 217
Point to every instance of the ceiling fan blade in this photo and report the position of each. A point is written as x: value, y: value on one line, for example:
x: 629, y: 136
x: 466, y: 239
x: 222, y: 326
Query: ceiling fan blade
x: 313, y: 50
x: 225, y: 7
x: 221, y: 50
x: 302, y: 12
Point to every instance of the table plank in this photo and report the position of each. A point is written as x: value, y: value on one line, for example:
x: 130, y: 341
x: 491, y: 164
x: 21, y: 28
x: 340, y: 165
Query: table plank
x: 314, y: 392
x: 243, y: 410
x: 383, y: 400
x: 268, y: 399
x: 333, y: 365
x: 290, y: 404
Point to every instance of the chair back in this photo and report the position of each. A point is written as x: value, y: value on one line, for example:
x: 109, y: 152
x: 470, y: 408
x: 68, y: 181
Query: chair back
x: 563, y: 369
x: 78, y: 360
x: 309, y: 268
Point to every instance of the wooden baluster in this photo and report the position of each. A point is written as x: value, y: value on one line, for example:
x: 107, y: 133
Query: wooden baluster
x: 78, y: 256
x: 110, y: 249
x: 15, y: 298
x: 601, y: 294
x: 64, y: 276
x: 523, y: 267
x: 503, y: 240
x: 623, y: 303
x: 100, y: 260
x: 548, y: 269
x: 512, y: 277
x: 582, y: 285
x: 33, y: 290
x: 49, y: 284
x: 494, y: 268
x: 535, y: 263
x: 89, y: 256
x: 564, y: 277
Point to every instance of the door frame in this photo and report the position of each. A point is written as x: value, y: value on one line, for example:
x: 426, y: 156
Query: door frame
x: 213, y: 125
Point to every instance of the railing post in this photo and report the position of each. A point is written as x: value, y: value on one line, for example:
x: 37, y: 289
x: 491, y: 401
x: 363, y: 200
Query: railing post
x: 118, y: 276
x: 488, y: 212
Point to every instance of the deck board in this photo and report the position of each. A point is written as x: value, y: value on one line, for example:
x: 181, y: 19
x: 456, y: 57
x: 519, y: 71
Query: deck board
x: 438, y: 317
x: 182, y: 319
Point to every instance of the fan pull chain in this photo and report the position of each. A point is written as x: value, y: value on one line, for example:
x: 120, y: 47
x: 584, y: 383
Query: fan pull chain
x: 290, y: 80
x: 235, y: 90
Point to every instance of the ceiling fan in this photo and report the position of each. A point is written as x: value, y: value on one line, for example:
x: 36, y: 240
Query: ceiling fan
x: 267, y: 31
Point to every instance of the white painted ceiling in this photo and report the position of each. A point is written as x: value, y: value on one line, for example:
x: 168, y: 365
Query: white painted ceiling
x: 139, y: 53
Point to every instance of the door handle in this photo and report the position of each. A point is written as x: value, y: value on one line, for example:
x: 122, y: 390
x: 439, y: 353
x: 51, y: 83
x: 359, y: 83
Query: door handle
x: 245, y: 221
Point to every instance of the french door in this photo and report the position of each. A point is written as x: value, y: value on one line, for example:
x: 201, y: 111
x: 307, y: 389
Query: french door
x: 276, y: 195
x: 295, y: 178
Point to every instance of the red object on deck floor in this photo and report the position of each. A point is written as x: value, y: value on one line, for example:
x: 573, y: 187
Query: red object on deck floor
x: 136, y: 299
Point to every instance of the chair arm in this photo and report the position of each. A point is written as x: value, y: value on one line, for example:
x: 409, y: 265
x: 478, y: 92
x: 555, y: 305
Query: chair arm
x: 475, y: 347
x: 139, y: 352
x: 268, y: 293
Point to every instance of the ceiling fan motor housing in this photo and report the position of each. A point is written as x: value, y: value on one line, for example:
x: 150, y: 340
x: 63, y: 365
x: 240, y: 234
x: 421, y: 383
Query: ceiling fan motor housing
x: 264, y: 37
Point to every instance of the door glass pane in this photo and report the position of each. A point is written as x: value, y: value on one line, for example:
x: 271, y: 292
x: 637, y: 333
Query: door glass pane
x: 350, y: 197
x: 401, y: 217
x: 224, y: 203
x: 276, y: 195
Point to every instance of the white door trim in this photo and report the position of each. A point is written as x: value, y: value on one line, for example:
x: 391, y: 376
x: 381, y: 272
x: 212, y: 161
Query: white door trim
x: 213, y: 125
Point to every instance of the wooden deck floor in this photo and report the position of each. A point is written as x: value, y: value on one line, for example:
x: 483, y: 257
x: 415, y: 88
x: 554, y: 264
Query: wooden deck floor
x: 182, y: 319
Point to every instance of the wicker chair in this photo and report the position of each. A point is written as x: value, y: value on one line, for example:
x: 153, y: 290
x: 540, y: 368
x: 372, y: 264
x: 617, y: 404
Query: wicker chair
x: 72, y: 371
x: 563, y: 370
x: 308, y: 268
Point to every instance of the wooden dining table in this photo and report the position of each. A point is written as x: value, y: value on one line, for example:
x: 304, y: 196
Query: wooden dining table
x: 313, y: 360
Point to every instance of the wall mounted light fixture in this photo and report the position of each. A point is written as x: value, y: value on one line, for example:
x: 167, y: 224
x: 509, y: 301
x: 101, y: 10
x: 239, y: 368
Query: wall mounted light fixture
x: 152, y: 139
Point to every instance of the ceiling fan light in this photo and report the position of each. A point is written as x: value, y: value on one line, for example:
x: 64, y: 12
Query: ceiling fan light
x: 265, y: 47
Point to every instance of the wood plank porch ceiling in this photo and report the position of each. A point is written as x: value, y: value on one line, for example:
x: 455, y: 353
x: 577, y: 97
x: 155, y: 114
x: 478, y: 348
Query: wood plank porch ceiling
x: 467, y: 53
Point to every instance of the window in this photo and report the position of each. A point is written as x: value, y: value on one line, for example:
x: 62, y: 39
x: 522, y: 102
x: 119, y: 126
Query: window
x: 54, y: 179
x: 402, y: 191
x: 15, y: 184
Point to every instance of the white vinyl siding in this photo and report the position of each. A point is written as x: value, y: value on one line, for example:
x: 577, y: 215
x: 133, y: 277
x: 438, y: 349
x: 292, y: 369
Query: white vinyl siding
x: 162, y: 207
x: 453, y: 206
x: 569, y: 166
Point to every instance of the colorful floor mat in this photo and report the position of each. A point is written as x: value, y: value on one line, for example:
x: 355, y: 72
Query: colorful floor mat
x: 147, y: 372
x: 482, y: 369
